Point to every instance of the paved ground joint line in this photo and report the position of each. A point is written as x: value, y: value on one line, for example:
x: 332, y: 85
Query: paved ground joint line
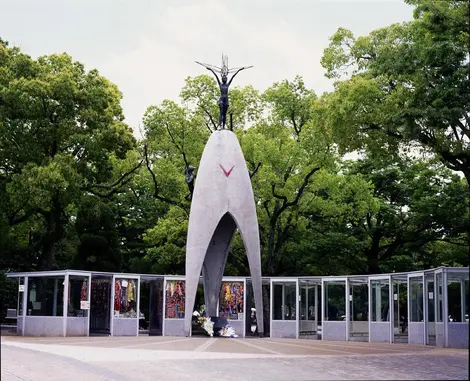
x: 154, y: 343
x: 305, y: 346
x: 208, y: 343
x: 260, y: 348
x: 320, y: 344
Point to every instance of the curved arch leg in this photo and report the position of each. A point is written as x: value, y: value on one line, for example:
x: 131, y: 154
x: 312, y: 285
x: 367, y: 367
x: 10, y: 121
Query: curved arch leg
x: 248, y: 226
x: 200, y: 231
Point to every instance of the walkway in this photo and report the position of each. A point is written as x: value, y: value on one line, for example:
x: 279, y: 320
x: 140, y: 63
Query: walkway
x: 167, y: 358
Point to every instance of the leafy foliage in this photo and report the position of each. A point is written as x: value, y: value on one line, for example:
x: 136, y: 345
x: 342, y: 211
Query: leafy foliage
x: 60, y: 129
x: 77, y: 189
x: 407, y: 83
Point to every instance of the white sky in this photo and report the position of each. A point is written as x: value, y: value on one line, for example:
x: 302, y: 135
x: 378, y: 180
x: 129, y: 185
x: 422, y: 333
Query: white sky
x: 148, y: 47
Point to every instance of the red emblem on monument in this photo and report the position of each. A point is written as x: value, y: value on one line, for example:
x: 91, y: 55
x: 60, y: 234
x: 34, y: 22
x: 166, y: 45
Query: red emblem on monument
x: 226, y: 173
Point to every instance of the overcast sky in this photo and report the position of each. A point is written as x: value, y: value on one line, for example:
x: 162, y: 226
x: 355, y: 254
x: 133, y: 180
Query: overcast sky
x: 148, y: 47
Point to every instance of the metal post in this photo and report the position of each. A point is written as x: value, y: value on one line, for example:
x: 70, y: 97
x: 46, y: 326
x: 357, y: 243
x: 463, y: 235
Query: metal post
x: 425, y: 310
x: 297, y: 309
x: 369, y: 304
x: 436, y: 302
x: 398, y: 306
x: 351, y: 302
x: 378, y: 301
x: 323, y: 297
x: 111, y: 318
x: 271, y: 304
x: 346, y: 296
x: 306, y: 301
x: 164, y: 309
x: 137, y: 296
x: 391, y: 306
x: 65, y: 303
x: 316, y: 309
x: 19, y: 296
x: 25, y: 304
x: 54, y: 305
x: 283, y: 301
x: 445, y: 308
x: 244, y: 307
x: 89, y: 301
x: 462, y: 300
x: 408, y: 302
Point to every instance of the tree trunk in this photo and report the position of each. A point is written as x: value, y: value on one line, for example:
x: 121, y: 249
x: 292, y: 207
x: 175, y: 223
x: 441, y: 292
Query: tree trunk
x: 372, y: 255
x: 272, y: 233
x: 467, y: 177
x: 54, y: 232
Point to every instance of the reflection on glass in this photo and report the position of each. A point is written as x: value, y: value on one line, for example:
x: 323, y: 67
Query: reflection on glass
x: 45, y: 296
x: 380, y: 300
x: 125, y: 298
x: 439, y: 297
x: 454, y: 300
x: 231, y: 300
x: 307, y: 302
x: 431, y: 298
x: 284, y: 300
x: 78, y: 296
x: 416, y: 294
x: 335, y: 301
x: 175, y: 299
x: 358, y: 302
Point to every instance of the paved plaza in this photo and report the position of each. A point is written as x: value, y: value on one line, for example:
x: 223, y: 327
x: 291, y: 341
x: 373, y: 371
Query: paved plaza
x: 199, y: 358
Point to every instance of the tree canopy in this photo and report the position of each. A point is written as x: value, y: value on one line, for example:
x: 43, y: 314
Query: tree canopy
x: 77, y: 189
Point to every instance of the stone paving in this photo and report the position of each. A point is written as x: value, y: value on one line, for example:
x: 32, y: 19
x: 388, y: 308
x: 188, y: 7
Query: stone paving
x: 200, y: 358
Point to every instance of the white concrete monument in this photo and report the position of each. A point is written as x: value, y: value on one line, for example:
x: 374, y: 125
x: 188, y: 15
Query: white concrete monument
x: 222, y: 202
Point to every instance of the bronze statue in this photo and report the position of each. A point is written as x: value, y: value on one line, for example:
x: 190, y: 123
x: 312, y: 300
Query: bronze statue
x: 189, y: 176
x: 223, y: 85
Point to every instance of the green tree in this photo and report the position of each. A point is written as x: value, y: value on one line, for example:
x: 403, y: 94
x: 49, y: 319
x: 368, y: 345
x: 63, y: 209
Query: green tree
x: 419, y: 202
x: 291, y: 151
x: 407, y: 84
x: 61, y: 130
x: 288, y: 156
x: 97, y: 230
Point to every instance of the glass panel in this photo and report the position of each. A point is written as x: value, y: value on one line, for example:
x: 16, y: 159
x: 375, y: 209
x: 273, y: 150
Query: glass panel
x: 175, y: 299
x: 100, y: 305
x: 311, y: 303
x: 307, y: 302
x: 289, y: 302
x: 431, y: 299
x: 454, y: 301
x: 416, y: 295
x: 439, y: 297
x: 335, y: 301
x: 466, y: 301
x: 78, y: 296
x: 380, y: 300
x: 45, y: 296
x: 277, y: 301
x: 318, y: 307
x: 358, y: 302
x: 266, y: 308
x: 400, y: 306
x: 303, y: 302
x: 231, y: 300
x: 125, y: 298
x: 284, y: 300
